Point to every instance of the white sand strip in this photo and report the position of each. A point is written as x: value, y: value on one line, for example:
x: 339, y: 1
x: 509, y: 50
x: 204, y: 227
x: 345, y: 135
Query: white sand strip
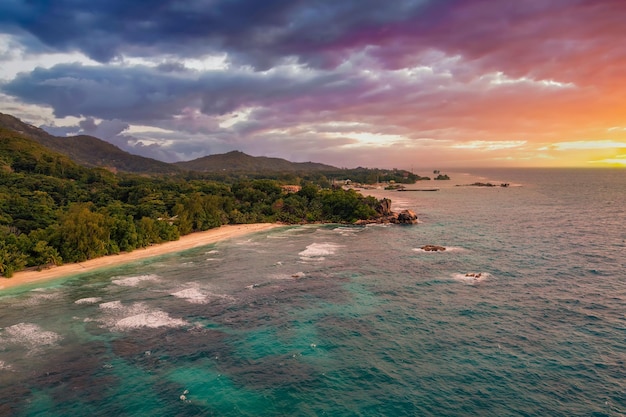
x: 185, y: 242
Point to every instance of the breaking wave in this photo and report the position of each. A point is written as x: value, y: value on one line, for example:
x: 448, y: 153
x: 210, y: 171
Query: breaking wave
x: 348, y: 231
x: 135, y: 280
x: 118, y: 316
x: 317, y: 251
x: 471, y: 278
x: 88, y: 300
x: 193, y: 295
x: 151, y: 319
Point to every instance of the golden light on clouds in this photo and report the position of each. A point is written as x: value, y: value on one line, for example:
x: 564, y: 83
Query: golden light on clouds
x: 385, y: 88
x: 587, y: 145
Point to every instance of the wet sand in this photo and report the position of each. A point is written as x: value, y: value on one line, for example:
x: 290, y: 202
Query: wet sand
x: 185, y: 242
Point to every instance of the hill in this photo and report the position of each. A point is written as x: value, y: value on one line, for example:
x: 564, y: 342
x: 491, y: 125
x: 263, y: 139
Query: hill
x: 19, y: 153
x: 88, y: 150
x: 53, y: 210
x: 237, y: 161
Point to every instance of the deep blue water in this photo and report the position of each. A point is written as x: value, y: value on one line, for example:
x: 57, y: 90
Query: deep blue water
x: 350, y: 321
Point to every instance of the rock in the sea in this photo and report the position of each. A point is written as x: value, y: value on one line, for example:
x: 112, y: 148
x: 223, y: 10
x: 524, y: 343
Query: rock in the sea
x: 433, y: 248
x: 407, y: 217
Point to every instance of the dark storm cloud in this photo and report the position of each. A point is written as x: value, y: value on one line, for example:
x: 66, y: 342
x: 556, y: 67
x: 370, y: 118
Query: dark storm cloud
x: 139, y: 94
x: 253, y: 32
x: 318, y: 77
x: 74, y: 90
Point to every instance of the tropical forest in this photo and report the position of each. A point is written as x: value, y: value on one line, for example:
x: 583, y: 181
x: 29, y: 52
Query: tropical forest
x: 54, y: 210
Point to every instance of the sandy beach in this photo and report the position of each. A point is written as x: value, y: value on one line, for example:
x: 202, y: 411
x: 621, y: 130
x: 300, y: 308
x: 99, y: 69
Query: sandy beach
x: 185, y: 242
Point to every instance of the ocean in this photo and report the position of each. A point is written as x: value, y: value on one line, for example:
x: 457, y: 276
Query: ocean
x: 524, y: 314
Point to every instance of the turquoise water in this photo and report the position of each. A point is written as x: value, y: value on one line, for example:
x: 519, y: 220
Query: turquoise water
x: 350, y: 321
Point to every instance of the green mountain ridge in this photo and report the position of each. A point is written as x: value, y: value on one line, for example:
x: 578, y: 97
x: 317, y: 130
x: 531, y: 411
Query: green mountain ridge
x: 20, y: 153
x: 91, y: 152
x: 237, y: 161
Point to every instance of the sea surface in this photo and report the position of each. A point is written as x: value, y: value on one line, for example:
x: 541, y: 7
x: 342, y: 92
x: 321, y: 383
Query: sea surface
x: 332, y: 320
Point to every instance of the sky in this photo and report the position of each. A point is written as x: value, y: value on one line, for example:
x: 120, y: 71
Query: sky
x: 407, y: 84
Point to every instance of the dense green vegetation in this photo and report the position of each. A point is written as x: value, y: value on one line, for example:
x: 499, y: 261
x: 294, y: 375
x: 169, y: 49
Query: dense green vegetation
x: 88, y: 150
x: 53, y: 210
x: 237, y: 161
x: 375, y: 175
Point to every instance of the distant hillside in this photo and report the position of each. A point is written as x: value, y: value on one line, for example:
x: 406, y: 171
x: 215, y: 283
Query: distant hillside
x: 19, y: 153
x: 237, y: 161
x: 88, y: 150
x: 93, y: 152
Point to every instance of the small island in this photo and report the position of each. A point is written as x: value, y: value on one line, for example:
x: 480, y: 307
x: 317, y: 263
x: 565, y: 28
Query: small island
x: 440, y: 176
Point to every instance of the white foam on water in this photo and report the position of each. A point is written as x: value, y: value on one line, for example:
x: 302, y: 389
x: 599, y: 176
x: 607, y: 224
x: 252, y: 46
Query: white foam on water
x: 214, y: 259
x: 30, y: 335
x: 112, y: 305
x: 211, y: 252
x: 248, y: 242
x: 377, y: 225
x: 196, y: 293
x: 152, y: 319
x: 193, y: 295
x: 276, y: 237
x: 4, y: 366
x: 89, y: 300
x: 471, y: 278
x: 319, y: 250
x: 135, y: 280
x: 119, y: 317
x: 348, y: 231
x: 38, y: 296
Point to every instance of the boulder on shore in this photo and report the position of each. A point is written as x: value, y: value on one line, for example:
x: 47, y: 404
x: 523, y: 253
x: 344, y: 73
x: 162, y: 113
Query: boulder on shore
x: 385, y: 215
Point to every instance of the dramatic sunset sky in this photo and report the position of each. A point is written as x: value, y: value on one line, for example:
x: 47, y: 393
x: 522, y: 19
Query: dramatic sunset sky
x: 396, y: 83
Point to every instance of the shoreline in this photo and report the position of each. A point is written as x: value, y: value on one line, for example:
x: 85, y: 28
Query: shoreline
x: 186, y: 242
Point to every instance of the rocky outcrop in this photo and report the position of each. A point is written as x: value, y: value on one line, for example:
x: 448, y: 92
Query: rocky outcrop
x: 384, y: 208
x: 388, y: 216
x: 433, y: 248
x: 406, y: 217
